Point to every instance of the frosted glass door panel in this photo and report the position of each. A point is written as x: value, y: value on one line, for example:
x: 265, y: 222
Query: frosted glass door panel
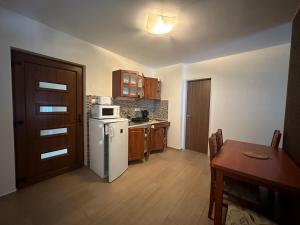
x: 53, y: 109
x: 125, y: 90
x: 50, y: 132
x: 140, y: 92
x: 132, y: 91
x: 55, y: 86
x: 133, y: 79
x: 140, y: 83
x: 125, y: 78
x: 54, y: 153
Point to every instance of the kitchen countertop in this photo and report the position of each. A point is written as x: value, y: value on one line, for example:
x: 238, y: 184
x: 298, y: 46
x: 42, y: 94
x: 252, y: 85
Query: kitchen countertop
x: 146, y: 124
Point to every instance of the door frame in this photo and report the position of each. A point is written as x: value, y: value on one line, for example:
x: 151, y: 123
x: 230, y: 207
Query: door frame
x: 82, y: 101
x: 184, y: 103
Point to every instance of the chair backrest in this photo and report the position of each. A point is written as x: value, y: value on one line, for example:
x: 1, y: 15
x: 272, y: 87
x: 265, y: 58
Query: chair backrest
x: 276, y: 139
x: 213, y: 148
x: 219, y: 136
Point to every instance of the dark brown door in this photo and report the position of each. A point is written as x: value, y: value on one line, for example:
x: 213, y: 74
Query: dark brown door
x: 292, y: 111
x: 197, y: 115
x: 48, y: 110
x: 136, y: 143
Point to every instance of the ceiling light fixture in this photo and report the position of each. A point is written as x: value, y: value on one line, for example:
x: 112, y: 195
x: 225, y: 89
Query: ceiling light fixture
x: 159, y: 24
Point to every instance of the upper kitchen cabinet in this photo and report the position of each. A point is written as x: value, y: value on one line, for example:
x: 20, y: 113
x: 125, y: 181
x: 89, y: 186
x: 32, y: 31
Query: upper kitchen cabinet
x: 140, y: 87
x: 152, y: 88
x: 126, y: 83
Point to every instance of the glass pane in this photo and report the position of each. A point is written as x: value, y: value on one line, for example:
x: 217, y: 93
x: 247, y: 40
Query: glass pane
x: 140, y: 83
x: 125, y: 91
x: 54, y: 153
x: 53, y: 131
x: 50, y: 109
x: 52, y: 86
x: 140, y: 92
x: 133, y: 79
x: 132, y: 91
x: 125, y: 78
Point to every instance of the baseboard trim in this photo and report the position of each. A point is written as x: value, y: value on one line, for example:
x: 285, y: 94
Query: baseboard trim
x: 178, y: 149
x: 7, y: 193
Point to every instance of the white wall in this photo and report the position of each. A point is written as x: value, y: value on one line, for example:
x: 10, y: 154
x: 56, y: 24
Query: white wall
x: 248, y: 92
x: 21, y: 32
x: 172, y: 81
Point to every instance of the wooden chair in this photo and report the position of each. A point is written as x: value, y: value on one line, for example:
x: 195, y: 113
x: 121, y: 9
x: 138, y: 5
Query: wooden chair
x: 274, y: 144
x: 219, y: 136
x: 235, y: 191
x: 276, y: 139
x: 213, y: 149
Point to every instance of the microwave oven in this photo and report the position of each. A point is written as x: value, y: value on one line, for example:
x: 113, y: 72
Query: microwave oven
x: 105, y: 111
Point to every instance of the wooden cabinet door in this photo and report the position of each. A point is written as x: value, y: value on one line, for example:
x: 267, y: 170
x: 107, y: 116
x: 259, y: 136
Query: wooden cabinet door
x: 136, y: 143
x: 154, y: 86
x: 140, y: 87
x: 129, y: 83
x: 125, y: 83
x: 158, y: 90
x: 151, y: 88
x: 156, y: 139
x: 133, y: 90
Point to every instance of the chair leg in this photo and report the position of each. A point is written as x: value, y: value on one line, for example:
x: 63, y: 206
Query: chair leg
x: 211, y: 202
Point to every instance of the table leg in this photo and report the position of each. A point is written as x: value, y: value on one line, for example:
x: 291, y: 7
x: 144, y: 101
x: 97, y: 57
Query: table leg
x: 218, y: 197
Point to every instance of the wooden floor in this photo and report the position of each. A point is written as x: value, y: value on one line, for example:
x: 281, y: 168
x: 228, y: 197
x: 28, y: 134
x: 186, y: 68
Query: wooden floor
x: 172, y: 188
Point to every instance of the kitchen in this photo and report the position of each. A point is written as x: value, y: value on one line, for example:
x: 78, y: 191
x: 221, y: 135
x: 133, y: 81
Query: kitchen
x: 134, y: 96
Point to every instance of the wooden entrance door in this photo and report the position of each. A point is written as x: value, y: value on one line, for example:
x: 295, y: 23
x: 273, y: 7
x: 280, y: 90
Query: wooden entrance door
x: 292, y: 110
x: 48, y: 110
x: 197, y: 115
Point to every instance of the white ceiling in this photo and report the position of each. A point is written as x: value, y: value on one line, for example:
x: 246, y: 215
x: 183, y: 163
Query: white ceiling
x: 119, y: 25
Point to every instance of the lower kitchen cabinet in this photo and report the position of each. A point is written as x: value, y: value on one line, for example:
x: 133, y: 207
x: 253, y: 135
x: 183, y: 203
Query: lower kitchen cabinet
x: 157, y: 138
x: 136, y: 143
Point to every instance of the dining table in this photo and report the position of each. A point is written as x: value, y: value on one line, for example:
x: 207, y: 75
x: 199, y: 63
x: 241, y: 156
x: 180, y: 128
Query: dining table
x: 253, y: 163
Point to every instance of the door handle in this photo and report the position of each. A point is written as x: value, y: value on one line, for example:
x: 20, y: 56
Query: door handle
x: 188, y: 116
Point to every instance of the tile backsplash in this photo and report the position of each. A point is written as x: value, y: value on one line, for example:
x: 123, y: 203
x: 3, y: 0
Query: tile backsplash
x: 158, y: 109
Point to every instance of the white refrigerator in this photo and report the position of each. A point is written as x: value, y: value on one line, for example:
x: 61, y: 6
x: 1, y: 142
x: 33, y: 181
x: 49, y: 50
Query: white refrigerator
x: 108, y: 147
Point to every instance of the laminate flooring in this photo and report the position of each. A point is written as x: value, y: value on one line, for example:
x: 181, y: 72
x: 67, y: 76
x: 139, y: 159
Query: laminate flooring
x: 171, y: 188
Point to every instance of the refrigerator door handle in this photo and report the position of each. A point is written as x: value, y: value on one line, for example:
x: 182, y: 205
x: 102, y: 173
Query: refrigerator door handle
x: 111, y: 132
x: 106, y: 130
